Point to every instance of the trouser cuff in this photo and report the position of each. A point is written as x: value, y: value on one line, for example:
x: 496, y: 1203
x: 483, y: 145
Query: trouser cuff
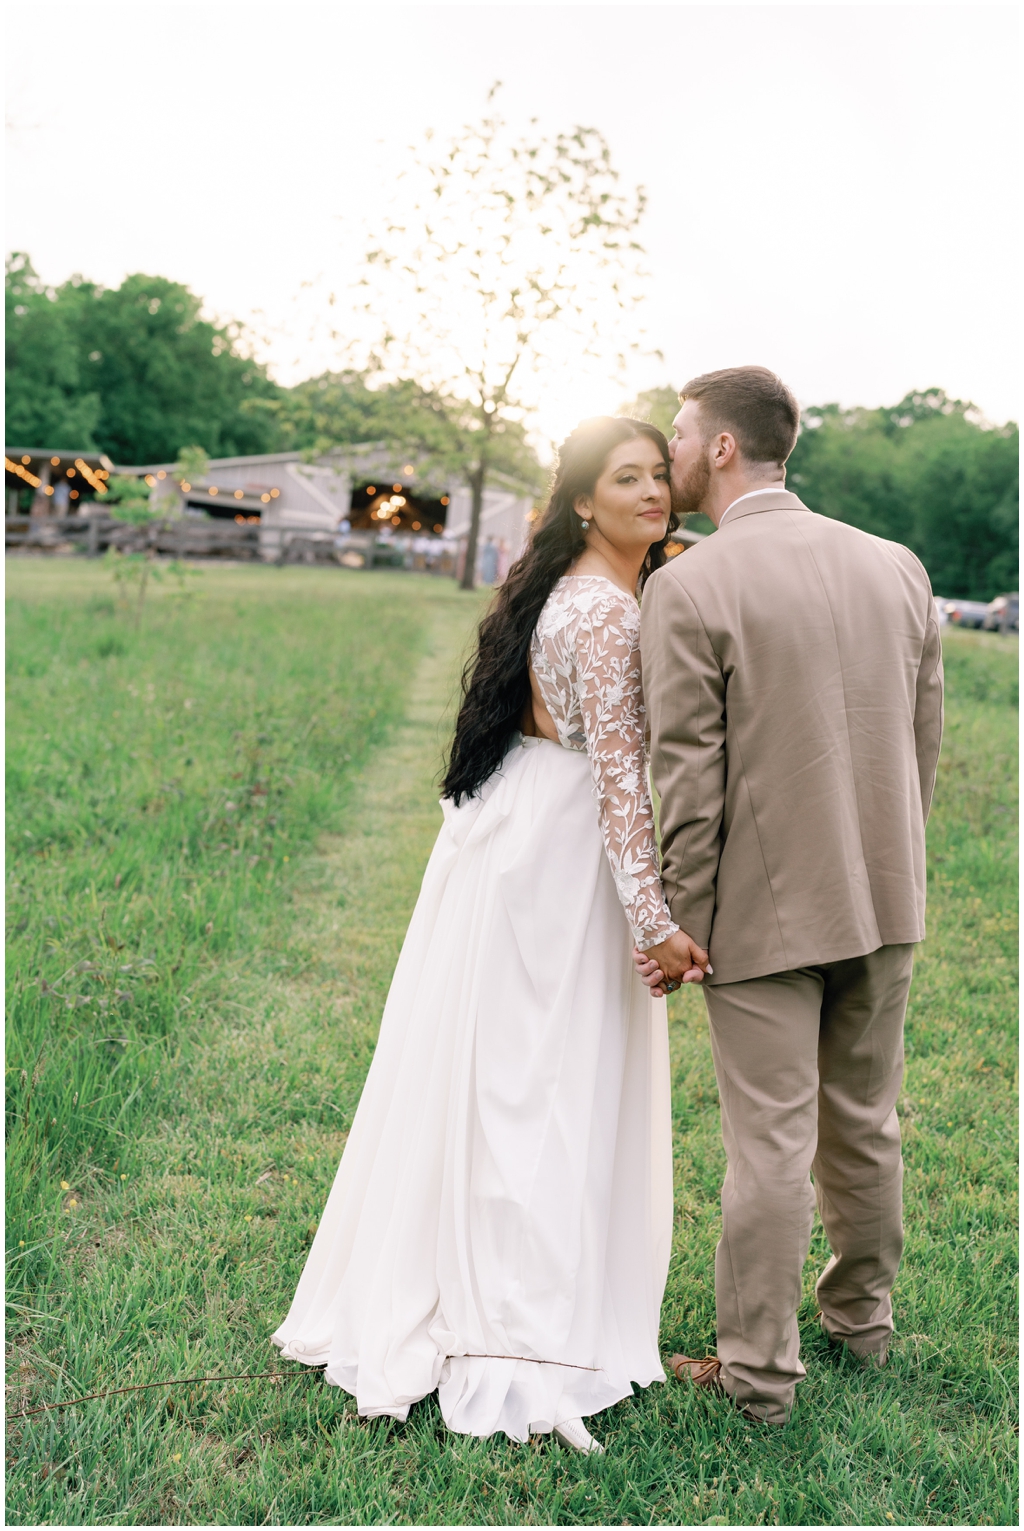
x: 771, y: 1411
x: 872, y: 1345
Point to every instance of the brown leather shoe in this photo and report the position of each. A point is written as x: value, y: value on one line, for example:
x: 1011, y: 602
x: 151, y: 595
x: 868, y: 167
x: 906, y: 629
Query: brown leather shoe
x: 703, y: 1373
x: 706, y: 1374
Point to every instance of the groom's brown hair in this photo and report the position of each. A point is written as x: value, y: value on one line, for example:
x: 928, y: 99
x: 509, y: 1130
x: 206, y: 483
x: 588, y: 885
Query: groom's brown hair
x: 751, y: 403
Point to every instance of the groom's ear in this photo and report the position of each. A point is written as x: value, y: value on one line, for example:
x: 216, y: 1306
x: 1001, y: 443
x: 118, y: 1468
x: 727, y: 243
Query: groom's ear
x: 724, y: 449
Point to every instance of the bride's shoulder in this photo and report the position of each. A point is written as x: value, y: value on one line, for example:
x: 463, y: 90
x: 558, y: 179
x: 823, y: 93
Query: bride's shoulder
x: 602, y: 600
x: 589, y: 601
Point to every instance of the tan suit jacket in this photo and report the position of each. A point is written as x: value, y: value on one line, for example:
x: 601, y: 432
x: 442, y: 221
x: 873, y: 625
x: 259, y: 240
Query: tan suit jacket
x: 793, y: 676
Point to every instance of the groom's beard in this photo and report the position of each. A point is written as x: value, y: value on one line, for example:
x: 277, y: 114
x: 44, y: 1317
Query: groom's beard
x: 689, y: 496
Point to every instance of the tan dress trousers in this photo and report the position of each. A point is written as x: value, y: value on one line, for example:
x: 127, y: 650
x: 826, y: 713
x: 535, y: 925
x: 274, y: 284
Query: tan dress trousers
x: 809, y: 1065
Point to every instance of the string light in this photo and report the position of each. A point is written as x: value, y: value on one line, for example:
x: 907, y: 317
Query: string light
x: 26, y: 461
x: 396, y: 487
x: 16, y: 467
x: 185, y: 487
x: 74, y: 494
x: 274, y: 493
x: 371, y: 489
x: 265, y: 498
x: 439, y: 527
x: 54, y: 462
x: 407, y: 470
x: 161, y: 474
x: 94, y: 480
x: 150, y: 480
x: 211, y: 488
x: 71, y: 473
x: 444, y: 499
x: 239, y: 494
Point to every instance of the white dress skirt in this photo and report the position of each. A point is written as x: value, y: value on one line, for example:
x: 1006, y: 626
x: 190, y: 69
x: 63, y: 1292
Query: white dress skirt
x: 500, y: 1225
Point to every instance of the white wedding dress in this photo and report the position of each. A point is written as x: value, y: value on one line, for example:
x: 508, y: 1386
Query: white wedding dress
x: 500, y: 1224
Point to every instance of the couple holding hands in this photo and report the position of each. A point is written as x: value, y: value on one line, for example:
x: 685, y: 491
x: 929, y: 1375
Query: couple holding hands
x: 500, y: 1225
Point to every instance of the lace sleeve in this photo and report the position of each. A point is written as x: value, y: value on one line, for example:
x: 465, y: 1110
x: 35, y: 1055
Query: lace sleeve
x: 611, y: 702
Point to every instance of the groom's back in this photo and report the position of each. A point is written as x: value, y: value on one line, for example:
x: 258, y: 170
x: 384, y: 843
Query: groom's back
x: 793, y: 813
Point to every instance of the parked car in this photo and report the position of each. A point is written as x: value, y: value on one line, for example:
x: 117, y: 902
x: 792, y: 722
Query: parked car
x: 966, y: 613
x: 940, y: 609
x: 1003, y: 614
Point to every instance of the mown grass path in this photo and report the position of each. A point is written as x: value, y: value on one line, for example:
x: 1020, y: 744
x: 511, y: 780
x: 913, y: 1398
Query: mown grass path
x: 183, y: 1268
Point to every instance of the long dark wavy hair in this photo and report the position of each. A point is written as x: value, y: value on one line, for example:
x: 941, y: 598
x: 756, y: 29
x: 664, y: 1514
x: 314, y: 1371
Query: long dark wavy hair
x: 496, y: 680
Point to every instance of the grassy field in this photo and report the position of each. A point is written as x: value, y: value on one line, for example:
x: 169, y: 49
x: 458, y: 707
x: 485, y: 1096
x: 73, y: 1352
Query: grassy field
x: 217, y: 828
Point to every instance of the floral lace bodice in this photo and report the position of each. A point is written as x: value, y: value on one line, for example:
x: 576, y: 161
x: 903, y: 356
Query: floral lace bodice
x: 585, y: 653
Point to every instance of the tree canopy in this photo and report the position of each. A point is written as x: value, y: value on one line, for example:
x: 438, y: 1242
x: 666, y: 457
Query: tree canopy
x: 132, y: 371
x: 51, y: 399
x: 926, y: 472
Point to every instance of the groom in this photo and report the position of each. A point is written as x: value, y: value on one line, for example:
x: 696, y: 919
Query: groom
x: 792, y: 673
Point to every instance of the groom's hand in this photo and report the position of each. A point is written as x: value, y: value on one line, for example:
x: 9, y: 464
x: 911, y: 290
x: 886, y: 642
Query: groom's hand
x: 672, y: 962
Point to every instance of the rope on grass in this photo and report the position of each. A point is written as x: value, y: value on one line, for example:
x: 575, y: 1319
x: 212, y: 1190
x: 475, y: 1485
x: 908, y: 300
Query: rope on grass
x: 533, y: 1360
x: 140, y: 1387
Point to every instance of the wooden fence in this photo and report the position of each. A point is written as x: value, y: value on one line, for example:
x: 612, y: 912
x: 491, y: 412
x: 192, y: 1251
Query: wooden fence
x: 208, y: 538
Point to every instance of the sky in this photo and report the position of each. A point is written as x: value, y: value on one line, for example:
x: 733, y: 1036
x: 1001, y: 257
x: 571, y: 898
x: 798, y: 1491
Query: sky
x: 832, y: 187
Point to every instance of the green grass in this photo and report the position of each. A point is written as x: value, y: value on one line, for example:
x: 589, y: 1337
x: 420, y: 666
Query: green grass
x: 194, y: 995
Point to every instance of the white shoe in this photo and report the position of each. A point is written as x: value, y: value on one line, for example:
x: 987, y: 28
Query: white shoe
x: 574, y: 1433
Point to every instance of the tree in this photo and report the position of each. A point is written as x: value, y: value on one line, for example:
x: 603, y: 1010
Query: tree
x: 50, y: 401
x: 927, y: 472
x: 165, y: 375
x: 332, y: 410
x: 133, y: 371
x: 505, y: 247
x: 192, y: 464
x: 658, y: 405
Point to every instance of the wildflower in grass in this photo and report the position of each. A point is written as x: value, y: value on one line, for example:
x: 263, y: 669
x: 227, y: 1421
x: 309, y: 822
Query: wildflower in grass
x: 63, y: 1185
x: 124, y: 1177
x: 176, y: 1457
x: 72, y: 1202
x: 248, y: 1218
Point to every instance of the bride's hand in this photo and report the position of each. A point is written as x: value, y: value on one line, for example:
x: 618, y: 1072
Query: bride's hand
x: 650, y: 972
x: 674, y: 961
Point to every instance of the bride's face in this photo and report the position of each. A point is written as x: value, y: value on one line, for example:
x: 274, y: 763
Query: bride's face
x: 632, y: 498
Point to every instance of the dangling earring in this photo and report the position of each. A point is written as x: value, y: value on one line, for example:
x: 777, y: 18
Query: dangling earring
x: 584, y: 523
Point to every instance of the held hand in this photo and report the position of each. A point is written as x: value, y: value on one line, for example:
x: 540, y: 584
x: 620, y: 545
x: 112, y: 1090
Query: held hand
x: 672, y: 962
x: 651, y: 973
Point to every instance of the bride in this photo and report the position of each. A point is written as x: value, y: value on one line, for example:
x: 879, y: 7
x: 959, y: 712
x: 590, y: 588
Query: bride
x: 500, y: 1223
